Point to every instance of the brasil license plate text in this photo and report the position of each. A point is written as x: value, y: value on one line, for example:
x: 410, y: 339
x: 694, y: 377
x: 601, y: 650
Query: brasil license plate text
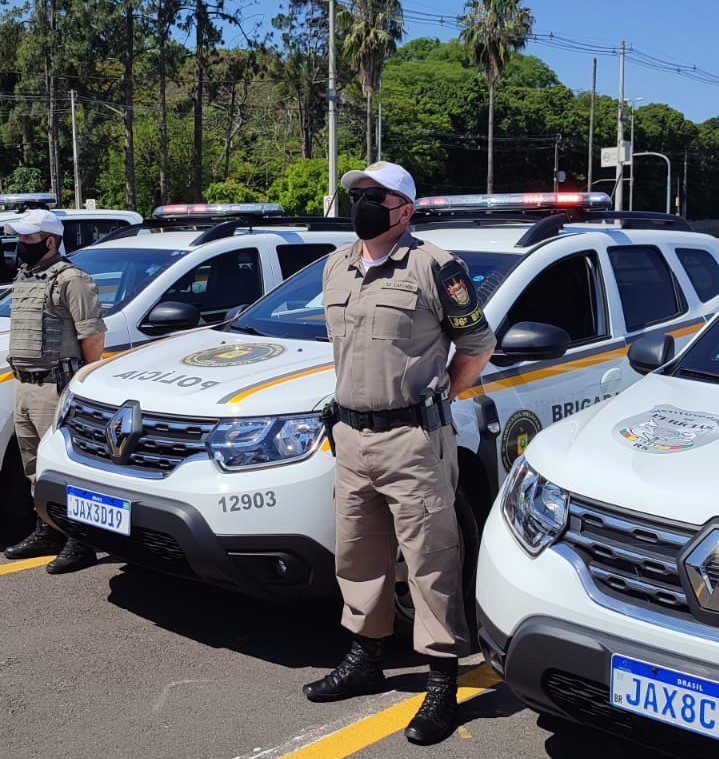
x: 98, y: 510
x: 679, y: 699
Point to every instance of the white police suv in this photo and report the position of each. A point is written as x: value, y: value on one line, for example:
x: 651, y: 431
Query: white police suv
x: 204, y: 454
x: 186, y: 267
x: 598, y: 578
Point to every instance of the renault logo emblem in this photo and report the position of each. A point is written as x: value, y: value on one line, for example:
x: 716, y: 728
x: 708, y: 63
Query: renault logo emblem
x: 701, y: 566
x: 123, y: 431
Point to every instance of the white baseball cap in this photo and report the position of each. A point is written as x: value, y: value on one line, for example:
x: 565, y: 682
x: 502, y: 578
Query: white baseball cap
x: 37, y: 220
x: 389, y: 175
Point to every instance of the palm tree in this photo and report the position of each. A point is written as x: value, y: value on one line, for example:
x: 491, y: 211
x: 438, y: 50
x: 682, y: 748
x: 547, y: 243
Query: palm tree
x: 492, y: 31
x: 373, y: 28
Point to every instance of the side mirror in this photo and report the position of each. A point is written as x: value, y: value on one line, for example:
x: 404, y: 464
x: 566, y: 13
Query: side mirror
x: 234, y: 312
x: 169, y: 317
x: 532, y: 341
x: 651, y: 352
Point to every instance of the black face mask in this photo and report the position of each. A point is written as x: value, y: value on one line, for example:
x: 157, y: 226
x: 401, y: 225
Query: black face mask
x: 31, y: 252
x: 370, y: 220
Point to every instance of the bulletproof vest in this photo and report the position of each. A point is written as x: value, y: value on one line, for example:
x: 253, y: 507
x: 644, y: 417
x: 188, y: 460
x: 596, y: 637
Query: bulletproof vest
x: 40, y: 333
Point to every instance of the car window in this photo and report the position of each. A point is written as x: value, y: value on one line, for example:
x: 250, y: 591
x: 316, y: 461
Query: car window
x: 701, y: 359
x: 220, y: 283
x: 567, y: 294
x: 81, y: 232
x: 295, y: 257
x: 702, y: 269
x: 647, y: 287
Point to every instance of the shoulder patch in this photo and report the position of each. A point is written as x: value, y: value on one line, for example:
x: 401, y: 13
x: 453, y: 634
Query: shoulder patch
x: 462, y: 312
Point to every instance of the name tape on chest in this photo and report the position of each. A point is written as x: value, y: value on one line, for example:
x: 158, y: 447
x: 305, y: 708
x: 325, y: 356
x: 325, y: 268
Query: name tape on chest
x: 408, y: 287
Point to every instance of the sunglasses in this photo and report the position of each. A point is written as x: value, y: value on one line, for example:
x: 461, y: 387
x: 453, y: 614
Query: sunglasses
x: 374, y: 194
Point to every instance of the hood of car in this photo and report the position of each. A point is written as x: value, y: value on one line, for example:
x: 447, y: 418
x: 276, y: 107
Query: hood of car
x: 212, y: 373
x: 653, y: 448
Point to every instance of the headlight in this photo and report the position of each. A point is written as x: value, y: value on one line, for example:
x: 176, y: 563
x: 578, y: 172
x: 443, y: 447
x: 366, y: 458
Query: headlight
x: 264, y: 441
x: 63, y: 406
x: 535, y: 509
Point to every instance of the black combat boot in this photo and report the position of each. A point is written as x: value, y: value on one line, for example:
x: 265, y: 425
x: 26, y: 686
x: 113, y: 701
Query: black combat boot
x: 437, y: 717
x: 73, y: 557
x: 358, y: 674
x: 45, y: 541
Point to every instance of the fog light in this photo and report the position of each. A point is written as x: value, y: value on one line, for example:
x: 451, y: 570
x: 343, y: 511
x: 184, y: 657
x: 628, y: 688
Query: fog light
x: 282, y: 568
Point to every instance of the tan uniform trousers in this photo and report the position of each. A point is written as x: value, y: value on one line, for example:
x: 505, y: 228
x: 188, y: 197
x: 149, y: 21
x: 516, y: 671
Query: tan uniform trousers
x: 397, y: 487
x: 35, y: 407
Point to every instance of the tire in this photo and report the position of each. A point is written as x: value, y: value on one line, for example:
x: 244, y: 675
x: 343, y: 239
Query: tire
x: 469, y: 552
x: 17, y: 514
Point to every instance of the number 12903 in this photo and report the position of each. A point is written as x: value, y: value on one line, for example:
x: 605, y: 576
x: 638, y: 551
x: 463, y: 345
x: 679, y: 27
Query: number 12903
x: 246, y: 501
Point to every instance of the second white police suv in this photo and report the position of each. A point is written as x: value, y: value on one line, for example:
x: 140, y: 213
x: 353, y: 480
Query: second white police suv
x: 208, y: 449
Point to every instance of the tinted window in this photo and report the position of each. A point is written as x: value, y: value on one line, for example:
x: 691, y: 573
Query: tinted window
x: 121, y: 273
x: 703, y: 271
x: 565, y: 294
x: 646, y: 285
x: 218, y: 284
x: 296, y: 257
x: 487, y: 270
x: 701, y: 361
x: 81, y: 232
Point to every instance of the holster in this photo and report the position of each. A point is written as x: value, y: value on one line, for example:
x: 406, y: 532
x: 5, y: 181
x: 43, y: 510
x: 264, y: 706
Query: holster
x: 66, y: 370
x: 330, y: 417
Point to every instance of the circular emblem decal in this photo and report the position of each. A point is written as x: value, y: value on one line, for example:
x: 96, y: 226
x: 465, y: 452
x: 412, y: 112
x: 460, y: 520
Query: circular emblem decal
x: 233, y: 355
x: 519, y: 430
x: 668, y: 429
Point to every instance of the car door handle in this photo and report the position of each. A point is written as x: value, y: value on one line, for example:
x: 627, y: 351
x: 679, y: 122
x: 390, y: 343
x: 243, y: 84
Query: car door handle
x: 610, y: 377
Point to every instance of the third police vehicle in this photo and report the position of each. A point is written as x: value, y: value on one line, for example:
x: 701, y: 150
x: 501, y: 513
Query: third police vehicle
x: 204, y: 455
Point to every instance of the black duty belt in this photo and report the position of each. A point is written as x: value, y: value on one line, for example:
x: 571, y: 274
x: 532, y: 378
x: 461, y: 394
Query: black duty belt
x: 37, y: 378
x: 430, y: 417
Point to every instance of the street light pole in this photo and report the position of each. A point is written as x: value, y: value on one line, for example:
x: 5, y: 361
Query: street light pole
x: 619, y: 193
x: 631, y: 159
x: 332, y: 120
x: 669, y: 175
x: 75, y: 157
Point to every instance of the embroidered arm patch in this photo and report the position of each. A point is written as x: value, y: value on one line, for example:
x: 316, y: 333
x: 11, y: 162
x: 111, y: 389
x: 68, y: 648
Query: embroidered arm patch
x: 462, y: 312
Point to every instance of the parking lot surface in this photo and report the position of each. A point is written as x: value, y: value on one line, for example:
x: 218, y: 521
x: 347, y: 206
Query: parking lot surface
x: 119, y: 663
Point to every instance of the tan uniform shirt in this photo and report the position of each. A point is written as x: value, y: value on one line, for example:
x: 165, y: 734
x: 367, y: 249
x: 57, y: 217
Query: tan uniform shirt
x: 386, y: 327
x: 74, y: 298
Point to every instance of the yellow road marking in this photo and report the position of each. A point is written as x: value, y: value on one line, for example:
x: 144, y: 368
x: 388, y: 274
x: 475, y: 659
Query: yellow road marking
x: 278, y: 381
x: 20, y: 566
x: 378, y: 726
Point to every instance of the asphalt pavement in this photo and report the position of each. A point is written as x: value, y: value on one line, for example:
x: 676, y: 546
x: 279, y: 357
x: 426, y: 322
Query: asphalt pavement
x: 118, y: 663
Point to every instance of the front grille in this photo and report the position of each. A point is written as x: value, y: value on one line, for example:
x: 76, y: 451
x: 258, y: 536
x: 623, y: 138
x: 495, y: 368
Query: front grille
x: 164, y: 444
x: 148, y: 548
x: 588, y: 701
x: 628, y: 556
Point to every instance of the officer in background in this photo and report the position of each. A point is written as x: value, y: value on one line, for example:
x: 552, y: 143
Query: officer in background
x: 56, y: 326
x: 394, y: 304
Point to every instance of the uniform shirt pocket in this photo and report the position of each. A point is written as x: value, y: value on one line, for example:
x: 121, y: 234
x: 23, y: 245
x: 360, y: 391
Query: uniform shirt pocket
x: 335, y: 303
x: 393, y: 314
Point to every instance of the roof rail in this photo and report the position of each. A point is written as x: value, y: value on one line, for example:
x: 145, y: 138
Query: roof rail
x: 552, y: 225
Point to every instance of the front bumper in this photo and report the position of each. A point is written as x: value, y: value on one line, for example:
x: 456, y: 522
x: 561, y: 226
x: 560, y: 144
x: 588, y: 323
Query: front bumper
x: 173, y: 537
x: 563, y: 669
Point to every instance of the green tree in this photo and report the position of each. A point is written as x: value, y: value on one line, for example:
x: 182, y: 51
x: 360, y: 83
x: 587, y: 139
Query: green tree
x: 25, y: 179
x: 372, y: 29
x: 492, y: 31
x: 232, y: 191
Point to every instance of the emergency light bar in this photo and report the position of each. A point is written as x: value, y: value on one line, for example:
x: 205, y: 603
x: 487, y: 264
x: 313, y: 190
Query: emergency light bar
x: 217, y: 209
x: 516, y: 201
x: 27, y: 199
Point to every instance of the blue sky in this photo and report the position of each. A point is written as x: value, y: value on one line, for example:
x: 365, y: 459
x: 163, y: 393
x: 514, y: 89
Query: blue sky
x: 682, y: 32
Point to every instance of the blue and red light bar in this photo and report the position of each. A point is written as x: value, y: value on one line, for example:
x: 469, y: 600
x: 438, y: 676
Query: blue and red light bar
x: 217, y: 209
x: 525, y: 201
x: 10, y: 200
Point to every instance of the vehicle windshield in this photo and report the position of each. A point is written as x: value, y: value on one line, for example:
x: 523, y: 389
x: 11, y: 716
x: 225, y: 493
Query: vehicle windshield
x: 701, y: 361
x: 120, y: 273
x: 294, y: 309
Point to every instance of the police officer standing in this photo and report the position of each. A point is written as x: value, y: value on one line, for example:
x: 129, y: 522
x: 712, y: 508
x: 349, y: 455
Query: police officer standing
x: 56, y: 326
x: 394, y: 304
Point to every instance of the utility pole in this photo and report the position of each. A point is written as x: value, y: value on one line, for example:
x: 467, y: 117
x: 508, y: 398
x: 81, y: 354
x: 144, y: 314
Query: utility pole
x: 590, y: 158
x: 684, y: 184
x: 379, y: 123
x: 557, y: 138
x: 619, y: 193
x: 332, y: 121
x: 75, y: 156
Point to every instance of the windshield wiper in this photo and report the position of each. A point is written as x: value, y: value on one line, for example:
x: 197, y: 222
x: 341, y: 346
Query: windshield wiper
x: 248, y: 330
x: 699, y: 374
x: 322, y: 339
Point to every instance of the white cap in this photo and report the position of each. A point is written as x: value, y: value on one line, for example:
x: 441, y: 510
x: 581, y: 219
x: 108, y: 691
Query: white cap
x: 389, y: 175
x: 37, y: 220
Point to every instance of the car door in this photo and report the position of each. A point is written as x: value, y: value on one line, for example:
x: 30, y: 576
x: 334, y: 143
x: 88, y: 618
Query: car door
x: 529, y: 395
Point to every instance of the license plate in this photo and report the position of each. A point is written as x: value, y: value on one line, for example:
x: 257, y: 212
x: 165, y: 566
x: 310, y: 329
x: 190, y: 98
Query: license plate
x: 98, y: 510
x: 662, y: 694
